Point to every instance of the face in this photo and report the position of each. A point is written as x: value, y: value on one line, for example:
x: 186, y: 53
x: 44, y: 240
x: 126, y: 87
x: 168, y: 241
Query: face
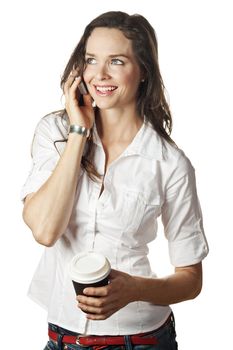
x: 112, y: 73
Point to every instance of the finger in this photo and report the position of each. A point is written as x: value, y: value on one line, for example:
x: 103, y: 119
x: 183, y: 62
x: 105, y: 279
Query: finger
x: 74, y: 71
x: 98, y: 317
x: 100, y: 311
x: 73, y: 88
x: 87, y: 100
x: 67, y: 84
x: 71, y: 78
x: 71, y: 93
x: 103, y: 316
x: 91, y: 309
x: 97, y: 303
x: 97, y: 291
x: 91, y: 301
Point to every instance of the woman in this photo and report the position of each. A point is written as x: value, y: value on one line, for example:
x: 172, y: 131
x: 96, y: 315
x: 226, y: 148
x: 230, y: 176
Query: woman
x: 101, y: 176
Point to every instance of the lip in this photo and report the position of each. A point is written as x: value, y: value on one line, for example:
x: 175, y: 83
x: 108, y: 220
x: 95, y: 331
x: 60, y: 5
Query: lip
x: 105, y: 90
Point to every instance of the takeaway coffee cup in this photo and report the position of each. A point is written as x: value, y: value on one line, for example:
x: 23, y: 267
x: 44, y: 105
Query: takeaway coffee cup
x: 89, y: 269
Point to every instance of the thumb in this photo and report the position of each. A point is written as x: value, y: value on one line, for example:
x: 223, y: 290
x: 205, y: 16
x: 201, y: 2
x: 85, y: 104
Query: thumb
x: 113, y: 274
x: 87, y: 100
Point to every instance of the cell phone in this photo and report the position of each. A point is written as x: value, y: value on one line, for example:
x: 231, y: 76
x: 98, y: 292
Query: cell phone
x: 82, y: 91
x: 82, y: 88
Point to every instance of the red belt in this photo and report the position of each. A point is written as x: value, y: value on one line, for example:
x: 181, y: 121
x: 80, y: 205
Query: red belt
x: 102, y: 340
x: 138, y: 339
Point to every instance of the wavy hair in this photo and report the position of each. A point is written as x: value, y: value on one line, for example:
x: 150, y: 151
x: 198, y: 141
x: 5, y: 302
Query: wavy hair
x: 151, y: 100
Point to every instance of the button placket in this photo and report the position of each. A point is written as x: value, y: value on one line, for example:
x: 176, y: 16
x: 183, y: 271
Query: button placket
x: 91, y: 226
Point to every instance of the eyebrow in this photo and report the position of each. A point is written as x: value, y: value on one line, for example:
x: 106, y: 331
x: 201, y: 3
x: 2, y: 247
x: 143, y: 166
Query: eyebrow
x: 111, y: 56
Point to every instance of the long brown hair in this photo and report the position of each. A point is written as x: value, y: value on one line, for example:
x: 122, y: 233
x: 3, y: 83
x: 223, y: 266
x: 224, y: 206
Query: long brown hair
x: 151, y: 100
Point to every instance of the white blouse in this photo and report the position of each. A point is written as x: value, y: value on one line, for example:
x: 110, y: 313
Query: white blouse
x: 150, y: 178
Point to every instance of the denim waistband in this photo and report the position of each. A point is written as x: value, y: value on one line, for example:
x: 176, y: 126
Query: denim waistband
x: 165, y: 335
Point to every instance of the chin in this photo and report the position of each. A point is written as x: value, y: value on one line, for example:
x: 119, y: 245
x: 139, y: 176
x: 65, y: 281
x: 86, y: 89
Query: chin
x: 105, y: 105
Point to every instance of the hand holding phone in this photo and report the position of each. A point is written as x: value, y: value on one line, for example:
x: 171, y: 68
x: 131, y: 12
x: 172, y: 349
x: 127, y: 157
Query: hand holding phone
x: 82, y: 89
x: 76, y: 92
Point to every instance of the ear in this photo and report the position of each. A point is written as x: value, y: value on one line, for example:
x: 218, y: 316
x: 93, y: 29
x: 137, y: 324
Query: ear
x: 143, y: 76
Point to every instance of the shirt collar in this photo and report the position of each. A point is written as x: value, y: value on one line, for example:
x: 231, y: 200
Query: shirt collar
x: 146, y: 143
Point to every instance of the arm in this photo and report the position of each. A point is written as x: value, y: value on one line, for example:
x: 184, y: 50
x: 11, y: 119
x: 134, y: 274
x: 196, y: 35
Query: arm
x: 47, y: 211
x: 183, y: 285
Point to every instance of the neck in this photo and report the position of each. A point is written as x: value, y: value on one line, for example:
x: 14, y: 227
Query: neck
x: 118, y: 125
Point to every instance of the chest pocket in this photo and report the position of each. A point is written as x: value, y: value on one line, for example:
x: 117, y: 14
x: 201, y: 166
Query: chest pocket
x: 138, y: 208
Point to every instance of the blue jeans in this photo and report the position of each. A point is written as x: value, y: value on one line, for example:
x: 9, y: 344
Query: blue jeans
x: 166, y: 337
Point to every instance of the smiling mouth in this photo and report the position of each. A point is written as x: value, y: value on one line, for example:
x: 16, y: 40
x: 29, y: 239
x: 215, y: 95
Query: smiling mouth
x: 105, y: 89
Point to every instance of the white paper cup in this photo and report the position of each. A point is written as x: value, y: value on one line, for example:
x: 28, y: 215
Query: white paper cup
x: 89, y: 269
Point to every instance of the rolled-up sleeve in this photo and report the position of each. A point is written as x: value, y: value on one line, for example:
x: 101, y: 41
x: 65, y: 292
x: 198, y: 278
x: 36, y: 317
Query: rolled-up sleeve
x: 44, y: 158
x: 182, y: 217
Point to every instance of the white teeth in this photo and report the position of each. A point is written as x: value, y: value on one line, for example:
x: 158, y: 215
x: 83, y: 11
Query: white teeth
x: 105, y: 88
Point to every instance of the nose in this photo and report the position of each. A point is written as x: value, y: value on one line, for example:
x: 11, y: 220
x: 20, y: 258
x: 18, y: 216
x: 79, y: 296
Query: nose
x: 102, y: 72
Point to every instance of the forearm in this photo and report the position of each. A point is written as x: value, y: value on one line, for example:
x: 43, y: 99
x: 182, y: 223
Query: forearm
x: 48, y: 211
x: 183, y: 285
x: 124, y: 288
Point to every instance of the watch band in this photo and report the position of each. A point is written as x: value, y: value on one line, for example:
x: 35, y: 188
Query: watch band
x: 81, y: 130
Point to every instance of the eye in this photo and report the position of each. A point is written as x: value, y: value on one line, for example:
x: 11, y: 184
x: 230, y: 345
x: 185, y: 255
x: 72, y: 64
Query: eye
x: 116, y: 61
x: 90, y: 60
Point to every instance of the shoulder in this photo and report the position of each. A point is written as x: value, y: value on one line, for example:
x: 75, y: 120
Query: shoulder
x: 53, y: 125
x: 174, y: 155
x: 170, y: 156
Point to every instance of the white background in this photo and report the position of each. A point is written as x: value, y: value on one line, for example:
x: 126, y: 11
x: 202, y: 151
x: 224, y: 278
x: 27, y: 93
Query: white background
x: 195, y: 51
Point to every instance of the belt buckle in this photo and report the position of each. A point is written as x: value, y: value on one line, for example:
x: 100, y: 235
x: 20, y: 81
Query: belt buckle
x: 78, y: 342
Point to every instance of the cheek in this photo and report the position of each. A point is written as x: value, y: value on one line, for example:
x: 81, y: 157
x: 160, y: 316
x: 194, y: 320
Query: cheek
x: 131, y: 81
x: 131, y: 76
x: 87, y: 75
